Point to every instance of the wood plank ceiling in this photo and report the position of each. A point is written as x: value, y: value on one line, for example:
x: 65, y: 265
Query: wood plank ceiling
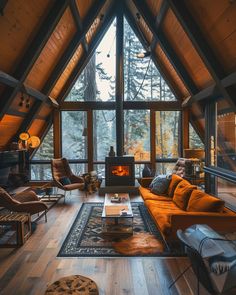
x: 45, y: 45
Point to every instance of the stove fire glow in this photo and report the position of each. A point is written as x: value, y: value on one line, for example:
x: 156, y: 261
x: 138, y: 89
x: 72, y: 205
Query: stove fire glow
x: 120, y: 170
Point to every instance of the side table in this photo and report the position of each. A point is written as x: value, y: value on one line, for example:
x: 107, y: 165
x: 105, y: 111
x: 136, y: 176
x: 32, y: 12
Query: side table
x: 15, y: 229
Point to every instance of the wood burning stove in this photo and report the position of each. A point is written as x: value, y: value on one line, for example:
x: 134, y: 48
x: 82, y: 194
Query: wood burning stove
x: 120, y: 171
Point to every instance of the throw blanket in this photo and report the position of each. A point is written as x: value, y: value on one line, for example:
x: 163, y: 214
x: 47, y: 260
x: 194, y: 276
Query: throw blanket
x: 218, y: 252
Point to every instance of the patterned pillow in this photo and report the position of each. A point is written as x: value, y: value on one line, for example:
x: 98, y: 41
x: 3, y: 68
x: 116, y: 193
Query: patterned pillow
x: 160, y: 184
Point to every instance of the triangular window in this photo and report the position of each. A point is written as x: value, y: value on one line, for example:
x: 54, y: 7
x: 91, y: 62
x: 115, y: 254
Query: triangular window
x: 97, y: 80
x: 142, y: 80
x: 45, y: 151
x: 195, y: 141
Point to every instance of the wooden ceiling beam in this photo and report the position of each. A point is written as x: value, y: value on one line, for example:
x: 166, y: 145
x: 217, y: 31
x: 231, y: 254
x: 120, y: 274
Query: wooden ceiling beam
x: 78, y: 21
x: 72, y: 47
x: 203, y: 48
x: 14, y: 83
x: 166, y: 46
x: 211, y: 92
x: 32, y: 53
x: 106, y: 22
x: 133, y: 24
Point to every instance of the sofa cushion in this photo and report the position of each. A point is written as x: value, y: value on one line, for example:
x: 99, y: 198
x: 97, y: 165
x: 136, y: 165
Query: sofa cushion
x: 202, y: 202
x: 161, y: 213
x: 148, y: 195
x: 182, y: 194
x: 160, y: 185
x: 175, y: 179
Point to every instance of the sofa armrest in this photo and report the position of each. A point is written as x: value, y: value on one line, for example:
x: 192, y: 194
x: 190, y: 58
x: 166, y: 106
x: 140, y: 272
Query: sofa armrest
x: 145, y: 181
x: 218, y: 221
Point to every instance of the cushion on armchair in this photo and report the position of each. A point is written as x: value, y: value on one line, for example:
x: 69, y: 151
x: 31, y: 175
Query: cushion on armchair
x: 65, y: 180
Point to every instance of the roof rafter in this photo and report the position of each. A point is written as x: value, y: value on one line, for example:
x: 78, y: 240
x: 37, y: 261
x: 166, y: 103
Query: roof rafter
x: 33, y: 52
x: 211, y: 92
x: 14, y: 83
x: 204, y: 50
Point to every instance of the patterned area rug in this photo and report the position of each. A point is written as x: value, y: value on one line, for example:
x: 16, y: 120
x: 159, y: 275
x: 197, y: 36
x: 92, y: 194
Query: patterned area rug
x: 85, y: 238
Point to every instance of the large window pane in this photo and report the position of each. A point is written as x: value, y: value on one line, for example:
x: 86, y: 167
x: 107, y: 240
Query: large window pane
x: 74, y: 134
x: 142, y: 80
x: 137, y: 134
x: 164, y: 168
x: 104, y: 133
x: 167, y: 133
x: 79, y: 168
x: 226, y: 191
x: 97, y: 80
x: 40, y: 171
x: 226, y: 137
x: 195, y: 141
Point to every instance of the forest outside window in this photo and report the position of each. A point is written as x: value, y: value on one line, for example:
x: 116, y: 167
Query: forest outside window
x: 167, y: 134
x: 74, y: 139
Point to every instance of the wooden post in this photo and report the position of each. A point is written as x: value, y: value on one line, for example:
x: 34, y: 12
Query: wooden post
x: 57, y: 134
x: 119, y: 80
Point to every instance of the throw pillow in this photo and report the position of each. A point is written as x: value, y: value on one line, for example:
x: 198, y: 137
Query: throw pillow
x: 202, y: 202
x: 182, y: 194
x: 175, y: 179
x: 160, y: 185
x: 65, y: 180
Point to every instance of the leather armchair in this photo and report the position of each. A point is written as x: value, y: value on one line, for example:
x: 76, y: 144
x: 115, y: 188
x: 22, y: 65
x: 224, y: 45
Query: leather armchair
x: 27, y: 202
x: 61, y: 170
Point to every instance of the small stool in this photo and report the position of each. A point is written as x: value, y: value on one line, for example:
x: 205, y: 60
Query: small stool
x: 76, y: 284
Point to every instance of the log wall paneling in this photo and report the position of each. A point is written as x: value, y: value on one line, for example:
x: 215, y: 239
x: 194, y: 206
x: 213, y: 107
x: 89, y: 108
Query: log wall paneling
x: 84, y: 7
x: 8, y: 128
x: 145, y: 29
x: 52, y: 51
x: 217, y: 22
x: 154, y: 6
x: 161, y: 56
x: 66, y: 73
x: 185, y: 51
x: 18, y: 25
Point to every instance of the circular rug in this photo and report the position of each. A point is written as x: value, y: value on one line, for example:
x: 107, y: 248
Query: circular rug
x: 73, y: 285
x: 143, y: 243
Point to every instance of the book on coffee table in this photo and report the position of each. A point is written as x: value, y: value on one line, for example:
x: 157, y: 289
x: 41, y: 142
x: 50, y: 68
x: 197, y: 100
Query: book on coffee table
x: 115, y: 210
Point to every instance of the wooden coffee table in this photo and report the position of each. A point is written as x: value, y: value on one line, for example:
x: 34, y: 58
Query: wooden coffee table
x: 113, y: 222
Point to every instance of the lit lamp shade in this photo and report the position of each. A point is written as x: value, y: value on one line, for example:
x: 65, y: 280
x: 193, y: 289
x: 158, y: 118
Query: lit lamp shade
x: 24, y: 136
x: 34, y: 142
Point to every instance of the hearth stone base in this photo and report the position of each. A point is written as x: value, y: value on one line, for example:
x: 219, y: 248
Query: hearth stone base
x: 133, y: 190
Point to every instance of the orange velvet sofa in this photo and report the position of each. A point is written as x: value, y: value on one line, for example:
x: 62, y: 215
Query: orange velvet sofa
x: 183, y: 206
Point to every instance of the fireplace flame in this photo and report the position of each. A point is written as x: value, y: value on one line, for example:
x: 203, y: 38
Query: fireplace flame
x: 120, y: 170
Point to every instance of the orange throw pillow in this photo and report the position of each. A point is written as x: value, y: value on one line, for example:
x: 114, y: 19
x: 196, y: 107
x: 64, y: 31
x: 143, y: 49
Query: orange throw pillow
x: 175, y: 179
x: 182, y: 194
x: 202, y: 202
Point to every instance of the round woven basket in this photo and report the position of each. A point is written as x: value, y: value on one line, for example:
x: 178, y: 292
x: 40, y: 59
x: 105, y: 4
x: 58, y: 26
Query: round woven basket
x: 73, y: 285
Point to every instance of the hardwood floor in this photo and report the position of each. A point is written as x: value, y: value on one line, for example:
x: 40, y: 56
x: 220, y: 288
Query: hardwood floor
x: 29, y: 269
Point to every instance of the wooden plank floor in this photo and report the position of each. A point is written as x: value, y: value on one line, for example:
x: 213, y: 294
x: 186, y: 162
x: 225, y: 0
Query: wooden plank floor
x: 29, y: 269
